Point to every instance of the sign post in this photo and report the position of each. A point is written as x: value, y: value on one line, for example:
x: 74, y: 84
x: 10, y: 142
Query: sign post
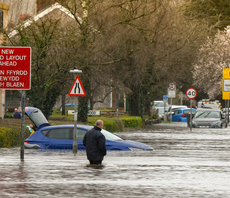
x: 165, y: 99
x: 226, y: 89
x: 15, y: 74
x: 171, y: 94
x: 76, y: 90
x: 191, y: 94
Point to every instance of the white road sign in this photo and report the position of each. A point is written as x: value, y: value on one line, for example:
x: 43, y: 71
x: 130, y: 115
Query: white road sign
x: 77, y: 88
x: 191, y: 93
x: 171, y: 93
x: 226, y: 84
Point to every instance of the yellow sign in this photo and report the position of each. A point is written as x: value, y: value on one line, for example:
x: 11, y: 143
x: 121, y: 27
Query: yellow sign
x: 226, y: 84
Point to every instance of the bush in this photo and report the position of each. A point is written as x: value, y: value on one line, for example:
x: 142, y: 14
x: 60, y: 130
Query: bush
x: 8, y: 115
x: 115, y: 125
x: 11, y: 137
x: 132, y: 122
x: 110, y: 124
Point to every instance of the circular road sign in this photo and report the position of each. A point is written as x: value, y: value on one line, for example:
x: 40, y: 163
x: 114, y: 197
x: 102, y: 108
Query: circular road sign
x: 165, y: 97
x: 191, y: 93
x: 172, y: 86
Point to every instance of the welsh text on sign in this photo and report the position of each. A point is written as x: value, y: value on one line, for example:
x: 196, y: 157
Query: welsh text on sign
x: 15, y: 68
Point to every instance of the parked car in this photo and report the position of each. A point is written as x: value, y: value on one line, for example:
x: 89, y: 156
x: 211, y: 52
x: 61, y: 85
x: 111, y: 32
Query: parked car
x: 212, y: 118
x: 226, y: 112
x: 180, y: 115
x: 173, y: 108
x: 61, y: 136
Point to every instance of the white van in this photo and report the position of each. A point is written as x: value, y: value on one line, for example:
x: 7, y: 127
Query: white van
x: 160, y: 103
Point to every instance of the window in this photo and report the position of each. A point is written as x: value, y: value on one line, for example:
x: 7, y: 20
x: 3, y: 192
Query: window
x: 60, y: 133
x: 80, y: 134
x: 177, y: 112
x: 64, y: 133
x: 38, y: 118
x: 110, y: 136
x: 189, y: 111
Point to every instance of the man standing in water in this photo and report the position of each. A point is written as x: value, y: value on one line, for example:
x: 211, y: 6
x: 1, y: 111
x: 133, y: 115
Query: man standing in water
x: 94, y: 141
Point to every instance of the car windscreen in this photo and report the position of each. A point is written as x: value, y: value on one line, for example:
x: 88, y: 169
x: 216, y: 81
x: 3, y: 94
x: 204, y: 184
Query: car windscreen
x: 189, y: 111
x: 207, y: 114
x: 110, y: 136
x: 160, y: 104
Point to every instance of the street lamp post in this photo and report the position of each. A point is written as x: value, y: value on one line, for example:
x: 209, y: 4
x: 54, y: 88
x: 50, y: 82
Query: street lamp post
x: 75, y: 146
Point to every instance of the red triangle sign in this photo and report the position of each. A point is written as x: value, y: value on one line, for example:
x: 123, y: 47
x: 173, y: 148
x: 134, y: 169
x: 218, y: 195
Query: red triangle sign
x: 77, y: 88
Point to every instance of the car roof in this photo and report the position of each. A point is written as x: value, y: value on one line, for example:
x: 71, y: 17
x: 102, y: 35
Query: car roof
x: 183, y: 109
x: 177, y: 106
x: 79, y: 126
x: 204, y: 109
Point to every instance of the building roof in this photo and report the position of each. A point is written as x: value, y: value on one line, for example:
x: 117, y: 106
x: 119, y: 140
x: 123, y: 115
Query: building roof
x: 40, y: 15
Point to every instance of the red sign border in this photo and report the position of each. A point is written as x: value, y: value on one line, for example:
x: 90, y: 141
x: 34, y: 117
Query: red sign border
x: 174, y: 86
x: 77, y: 78
x: 190, y: 97
x: 12, y: 47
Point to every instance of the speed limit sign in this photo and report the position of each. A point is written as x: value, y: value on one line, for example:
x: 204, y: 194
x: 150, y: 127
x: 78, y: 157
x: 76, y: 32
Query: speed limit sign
x: 172, y: 86
x: 191, y: 93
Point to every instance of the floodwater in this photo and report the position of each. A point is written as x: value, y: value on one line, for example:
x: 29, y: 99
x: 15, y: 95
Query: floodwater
x: 183, y: 163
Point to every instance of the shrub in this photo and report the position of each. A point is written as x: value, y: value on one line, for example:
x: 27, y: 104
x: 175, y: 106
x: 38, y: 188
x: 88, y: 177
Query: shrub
x: 11, y: 137
x: 110, y: 124
x: 132, y: 121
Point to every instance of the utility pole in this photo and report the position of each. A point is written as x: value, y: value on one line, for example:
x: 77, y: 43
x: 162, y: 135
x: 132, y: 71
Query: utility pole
x: 75, y: 146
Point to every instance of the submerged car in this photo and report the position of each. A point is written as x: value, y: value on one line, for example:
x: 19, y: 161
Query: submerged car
x: 61, y: 136
x: 212, y: 118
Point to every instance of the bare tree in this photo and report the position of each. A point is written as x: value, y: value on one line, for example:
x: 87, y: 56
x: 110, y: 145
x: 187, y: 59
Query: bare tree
x: 50, y: 66
x: 142, y: 46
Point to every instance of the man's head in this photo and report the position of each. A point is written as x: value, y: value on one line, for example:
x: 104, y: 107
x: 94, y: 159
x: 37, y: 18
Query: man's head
x: 99, y: 123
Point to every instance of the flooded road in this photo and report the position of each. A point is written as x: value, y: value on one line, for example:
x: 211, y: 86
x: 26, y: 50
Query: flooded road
x: 183, y: 163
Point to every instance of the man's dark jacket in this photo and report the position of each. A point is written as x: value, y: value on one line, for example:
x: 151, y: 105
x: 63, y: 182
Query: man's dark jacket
x: 94, y: 141
x: 17, y: 115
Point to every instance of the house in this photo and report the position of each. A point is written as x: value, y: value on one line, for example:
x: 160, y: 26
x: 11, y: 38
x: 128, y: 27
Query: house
x: 57, y: 11
x: 23, y: 12
x: 11, y: 13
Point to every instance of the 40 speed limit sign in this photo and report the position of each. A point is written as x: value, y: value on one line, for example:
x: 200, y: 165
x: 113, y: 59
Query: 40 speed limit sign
x: 191, y: 93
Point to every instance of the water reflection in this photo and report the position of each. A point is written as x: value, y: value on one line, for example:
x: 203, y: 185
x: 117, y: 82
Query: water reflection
x: 182, y: 164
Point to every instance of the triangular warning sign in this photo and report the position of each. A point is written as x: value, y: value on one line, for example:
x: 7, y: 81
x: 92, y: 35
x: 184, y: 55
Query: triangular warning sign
x: 77, y: 89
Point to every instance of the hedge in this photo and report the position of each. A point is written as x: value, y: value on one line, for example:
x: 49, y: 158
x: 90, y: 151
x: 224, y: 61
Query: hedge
x: 11, y: 137
x: 118, y: 125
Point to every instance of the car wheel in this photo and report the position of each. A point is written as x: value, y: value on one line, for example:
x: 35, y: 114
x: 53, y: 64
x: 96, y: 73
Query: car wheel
x: 179, y: 120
